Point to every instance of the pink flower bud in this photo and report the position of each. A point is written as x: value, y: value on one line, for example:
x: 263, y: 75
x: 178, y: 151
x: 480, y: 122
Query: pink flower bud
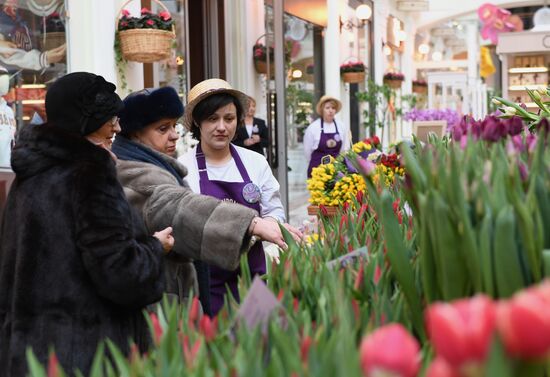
x: 157, y: 328
x: 440, y: 368
x: 524, y: 324
x: 145, y: 11
x: 125, y: 12
x: 461, y: 331
x: 53, y: 366
x: 165, y: 15
x: 367, y: 166
x: 150, y: 22
x: 208, y: 327
x: 403, y: 360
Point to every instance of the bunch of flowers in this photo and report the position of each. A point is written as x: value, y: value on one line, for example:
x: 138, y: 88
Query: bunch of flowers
x: 394, y: 76
x: 147, y: 20
x: 352, y: 67
x: 259, y: 52
x: 451, y: 116
x: 340, y: 181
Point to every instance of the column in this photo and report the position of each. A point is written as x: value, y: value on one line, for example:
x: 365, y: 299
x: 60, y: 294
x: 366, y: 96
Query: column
x: 332, y: 49
x: 91, y: 36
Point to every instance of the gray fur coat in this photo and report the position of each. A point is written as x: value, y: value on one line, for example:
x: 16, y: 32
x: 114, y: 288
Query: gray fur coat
x: 204, y: 228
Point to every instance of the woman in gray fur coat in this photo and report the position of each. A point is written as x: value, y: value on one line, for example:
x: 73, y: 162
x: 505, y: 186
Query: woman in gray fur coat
x: 205, y: 229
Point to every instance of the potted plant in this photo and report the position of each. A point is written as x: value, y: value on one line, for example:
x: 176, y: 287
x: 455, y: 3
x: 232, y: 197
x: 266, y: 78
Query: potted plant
x: 146, y: 39
x: 54, y: 32
x: 260, y: 56
x: 419, y: 86
x: 353, y: 72
x: 394, y: 79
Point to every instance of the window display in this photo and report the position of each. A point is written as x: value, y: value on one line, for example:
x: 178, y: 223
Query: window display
x: 33, y: 53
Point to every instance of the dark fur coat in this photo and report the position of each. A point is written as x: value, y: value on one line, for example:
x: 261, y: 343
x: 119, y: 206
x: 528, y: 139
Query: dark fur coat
x: 75, y: 265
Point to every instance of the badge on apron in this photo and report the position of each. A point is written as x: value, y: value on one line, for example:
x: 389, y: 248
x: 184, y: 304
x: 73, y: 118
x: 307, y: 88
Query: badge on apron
x: 337, y: 137
x: 331, y: 143
x: 251, y: 193
x: 325, y: 160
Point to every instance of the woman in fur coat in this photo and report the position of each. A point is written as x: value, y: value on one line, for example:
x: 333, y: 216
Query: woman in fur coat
x: 205, y: 229
x: 75, y: 268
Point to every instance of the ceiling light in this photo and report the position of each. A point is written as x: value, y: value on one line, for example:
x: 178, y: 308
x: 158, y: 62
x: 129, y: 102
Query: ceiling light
x: 424, y: 48
x: 363, y: 12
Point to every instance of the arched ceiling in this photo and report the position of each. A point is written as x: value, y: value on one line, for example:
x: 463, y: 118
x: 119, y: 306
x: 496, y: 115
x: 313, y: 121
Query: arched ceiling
x: 444, y: 10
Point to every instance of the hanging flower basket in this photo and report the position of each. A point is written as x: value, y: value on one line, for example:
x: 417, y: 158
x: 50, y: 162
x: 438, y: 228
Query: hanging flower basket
x: 261, y: 67
x: 353, y: 77
x: 326, y: 211
x: 394, y: 79
x: 144, y: 44
x: 419, y: 86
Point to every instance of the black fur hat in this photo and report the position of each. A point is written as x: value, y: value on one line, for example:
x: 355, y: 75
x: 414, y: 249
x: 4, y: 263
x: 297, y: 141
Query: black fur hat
x: 81, y: 102
x: 148, y: 106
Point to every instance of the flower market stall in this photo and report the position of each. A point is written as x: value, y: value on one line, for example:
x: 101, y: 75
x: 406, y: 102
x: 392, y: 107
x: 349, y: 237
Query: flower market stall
x: 436, y: 262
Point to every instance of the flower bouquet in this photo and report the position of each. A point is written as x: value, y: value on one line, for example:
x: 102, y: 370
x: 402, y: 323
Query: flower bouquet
x: 394, y: 79
x: 419, y: 86
x: 353, y: 73
x: 148, y: 38
x: 340, y: 182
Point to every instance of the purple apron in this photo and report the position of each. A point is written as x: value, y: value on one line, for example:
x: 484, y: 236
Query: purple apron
x: 247, y: 194
x: 329, y: 144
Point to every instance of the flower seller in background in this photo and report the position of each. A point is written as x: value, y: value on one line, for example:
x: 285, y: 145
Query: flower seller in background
x: 254, y: 135
x: 324, y: 137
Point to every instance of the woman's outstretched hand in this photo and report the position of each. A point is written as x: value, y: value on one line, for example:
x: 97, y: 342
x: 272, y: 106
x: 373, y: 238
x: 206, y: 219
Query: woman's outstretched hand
x: 166, y: 239
x: 268, y: 230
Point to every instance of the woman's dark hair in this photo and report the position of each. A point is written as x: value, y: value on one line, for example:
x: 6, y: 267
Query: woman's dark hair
x: 208, y: 106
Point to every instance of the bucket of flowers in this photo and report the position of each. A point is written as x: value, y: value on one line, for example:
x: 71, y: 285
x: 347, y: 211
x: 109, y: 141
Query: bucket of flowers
x: 420, y: 86
x: 394, y: 79
x: 353, y: 73
x: 148, y: 38
x: 340, y: 181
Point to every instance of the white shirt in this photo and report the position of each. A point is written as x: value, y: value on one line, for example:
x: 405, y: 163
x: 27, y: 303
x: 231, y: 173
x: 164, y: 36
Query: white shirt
x: 7, y: 132
x: 312, y: 136
x: 258, y: 170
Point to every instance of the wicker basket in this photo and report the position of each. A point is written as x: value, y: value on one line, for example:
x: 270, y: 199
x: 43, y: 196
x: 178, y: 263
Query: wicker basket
x: 420, y: 89
x: 353, y: 77
x: 394, y: 84
x: 146, y: 45
x: 52, y: 40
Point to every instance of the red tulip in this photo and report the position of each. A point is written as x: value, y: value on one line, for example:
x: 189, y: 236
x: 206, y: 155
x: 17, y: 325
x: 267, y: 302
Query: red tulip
x: 157, y: 328
x: 193, y: 312
x: 524, y: 323
x: 461, y: 331
x: 53, y: 366
x: 208, y: 327
x: 440, y: 368
x: 390, y: 349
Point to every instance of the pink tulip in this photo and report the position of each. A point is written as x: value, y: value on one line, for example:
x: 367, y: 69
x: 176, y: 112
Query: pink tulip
x: 391, y: 350
x: 157, y: 328
x: 208, y: 327
x: 440, y: 368
x: 368, y: 167
x: 524, y: 323
x: 461, y: 331
x: 53, y: 366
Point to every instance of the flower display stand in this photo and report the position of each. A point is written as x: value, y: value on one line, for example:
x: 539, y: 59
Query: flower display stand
x: 353, y: 77
x: 314, y: 210
x: 423, y: 128
x: 394, y: 84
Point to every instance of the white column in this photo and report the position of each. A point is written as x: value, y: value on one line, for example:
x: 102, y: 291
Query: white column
x: 91, y: 34
x: 332, y: 49
x: 473, y: 59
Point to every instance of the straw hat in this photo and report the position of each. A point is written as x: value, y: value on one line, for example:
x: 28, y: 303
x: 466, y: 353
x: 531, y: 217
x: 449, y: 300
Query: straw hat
x: 205, y: 89
x: 324, y: 99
